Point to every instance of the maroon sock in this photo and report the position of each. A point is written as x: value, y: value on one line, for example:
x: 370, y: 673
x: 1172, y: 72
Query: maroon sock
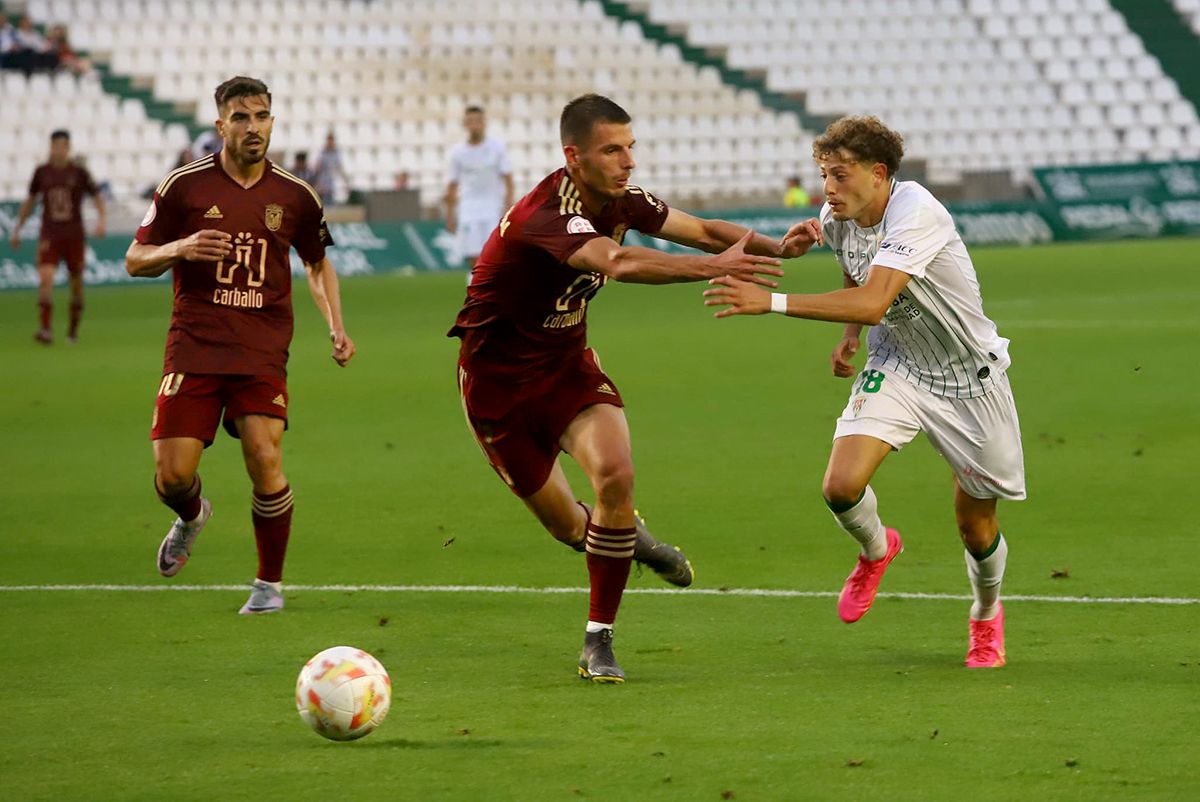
x: 609, y: 554
x: 272, y: 516
x: 186, y: 504
x: 76, y: 314
x: 44, y: 310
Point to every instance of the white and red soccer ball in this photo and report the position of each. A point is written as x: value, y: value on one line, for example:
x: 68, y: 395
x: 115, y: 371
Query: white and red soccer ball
x: 343, y: 693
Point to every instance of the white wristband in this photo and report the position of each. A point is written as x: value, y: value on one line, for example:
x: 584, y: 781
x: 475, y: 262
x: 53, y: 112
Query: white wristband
x: 779, y: 302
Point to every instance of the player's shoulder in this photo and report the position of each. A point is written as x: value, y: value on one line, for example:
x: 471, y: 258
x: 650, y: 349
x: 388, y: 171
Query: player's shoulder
x: 182, y: 176
x: 911, y: 197
x: 636, y: 195
x: 302, y: 188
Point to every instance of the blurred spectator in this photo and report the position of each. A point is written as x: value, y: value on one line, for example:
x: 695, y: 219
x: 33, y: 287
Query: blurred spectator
x: 300, y: 167
x: 400, y: 180
x: 25, y: 49
x: 795, y: 196
x: 60, y: 45
x: 185, y: 157
x: 329, y: 168
x: 8, y: 41
x: 207, y: 144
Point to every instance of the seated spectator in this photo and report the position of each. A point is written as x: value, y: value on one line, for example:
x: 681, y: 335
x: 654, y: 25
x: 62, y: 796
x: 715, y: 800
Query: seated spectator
x: 68, y: 59
x: 8, y: 40
x: 29, y: 50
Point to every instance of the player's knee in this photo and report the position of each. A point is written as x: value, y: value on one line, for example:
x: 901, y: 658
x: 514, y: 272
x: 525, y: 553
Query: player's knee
x: 174, y: 479
x: 263, y: 461
x: 841, y: 490
x: 613, y: 482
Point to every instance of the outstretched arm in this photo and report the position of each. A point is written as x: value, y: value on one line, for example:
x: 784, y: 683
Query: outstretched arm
x: 865, y: 305
x: 326, y: 293
x: 649, y: 266
x: 715, y: 236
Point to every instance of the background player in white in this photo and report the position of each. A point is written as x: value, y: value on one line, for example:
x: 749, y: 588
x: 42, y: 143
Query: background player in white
x: 480, y: 187
x: 935, y: 363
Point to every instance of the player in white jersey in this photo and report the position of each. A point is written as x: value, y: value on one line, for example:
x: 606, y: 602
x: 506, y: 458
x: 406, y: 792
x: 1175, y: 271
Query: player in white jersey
x: 935, y: 363
x: 480, y: 187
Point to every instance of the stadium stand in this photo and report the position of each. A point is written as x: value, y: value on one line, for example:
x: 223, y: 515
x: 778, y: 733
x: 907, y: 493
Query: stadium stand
x: 975, y: 85
x: 1190, y: 11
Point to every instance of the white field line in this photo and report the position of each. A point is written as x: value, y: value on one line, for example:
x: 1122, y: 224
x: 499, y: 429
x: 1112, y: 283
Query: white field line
x: 742, y: 592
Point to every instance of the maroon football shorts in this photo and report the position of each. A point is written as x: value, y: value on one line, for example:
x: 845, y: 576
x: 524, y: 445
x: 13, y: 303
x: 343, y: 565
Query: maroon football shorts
x: 53, y: 250
x: 190, y: 405
x: 519, y: 431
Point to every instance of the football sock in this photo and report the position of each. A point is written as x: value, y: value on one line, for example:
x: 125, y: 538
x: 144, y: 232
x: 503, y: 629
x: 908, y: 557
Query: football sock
x: 861, y: 522
x: 76, y: 314
x: 986, y: 572
x: 587, y: 517
x: 186, y: 504
x: 596, y: 626
x: 609, y: 554
x: 272, y: 515
x: 44, y: 310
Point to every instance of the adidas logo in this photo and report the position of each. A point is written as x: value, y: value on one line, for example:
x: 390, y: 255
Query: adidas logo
x: 277, y: 400
x: 213, y: 214
x: 606, y: 388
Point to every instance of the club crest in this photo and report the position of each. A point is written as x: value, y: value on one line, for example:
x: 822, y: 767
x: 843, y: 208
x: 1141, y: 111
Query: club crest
x: 274, y: 216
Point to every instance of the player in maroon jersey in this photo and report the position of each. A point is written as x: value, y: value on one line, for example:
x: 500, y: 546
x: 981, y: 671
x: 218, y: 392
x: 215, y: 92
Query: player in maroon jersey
x: 224, y: 225
x: 530, y: 385
x: 61, y: 186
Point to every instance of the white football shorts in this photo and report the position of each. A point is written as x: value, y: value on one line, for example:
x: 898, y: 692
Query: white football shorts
x: 473, y: 232
x: 979, y: 437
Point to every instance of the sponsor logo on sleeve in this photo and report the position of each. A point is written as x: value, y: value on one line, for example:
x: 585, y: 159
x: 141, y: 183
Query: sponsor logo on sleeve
x: 580, y: 225
x: 898, y: 249
x: 150, y: 214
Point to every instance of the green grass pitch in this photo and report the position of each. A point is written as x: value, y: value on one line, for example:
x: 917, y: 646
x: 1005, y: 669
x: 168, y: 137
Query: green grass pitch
x: 170, y: 695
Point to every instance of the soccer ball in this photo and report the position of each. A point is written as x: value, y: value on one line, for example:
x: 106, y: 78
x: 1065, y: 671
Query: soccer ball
x: 343, y: 693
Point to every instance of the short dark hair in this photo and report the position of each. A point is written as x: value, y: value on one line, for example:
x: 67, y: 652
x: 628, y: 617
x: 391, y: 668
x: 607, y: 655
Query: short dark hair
x: 865, y: 138
x: 302, y: 155
x: 474, y: 110
x: 240, y: 86
x: 580, y: 116
x: 61, y: 133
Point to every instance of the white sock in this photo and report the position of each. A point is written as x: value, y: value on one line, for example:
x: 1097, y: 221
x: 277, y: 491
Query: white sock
x: 276, y: 586
x: 596, y: 626
x: 986, y: 576
x: 862, y: 523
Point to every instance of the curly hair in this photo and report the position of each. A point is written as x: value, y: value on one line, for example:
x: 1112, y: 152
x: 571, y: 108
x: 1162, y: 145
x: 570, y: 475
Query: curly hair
x: 864, y: 138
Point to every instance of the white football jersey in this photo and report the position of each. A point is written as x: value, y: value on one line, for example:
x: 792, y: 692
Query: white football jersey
x: 479, y: 171
x: 935, y: 335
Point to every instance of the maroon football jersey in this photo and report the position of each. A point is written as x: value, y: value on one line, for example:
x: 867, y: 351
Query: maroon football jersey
x: 526, y: 309
x: 62, y: 190
x: 235, y: 316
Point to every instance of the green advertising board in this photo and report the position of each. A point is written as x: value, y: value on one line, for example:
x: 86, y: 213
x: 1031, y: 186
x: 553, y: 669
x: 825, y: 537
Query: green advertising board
x: 1154, y: 181
x: 1165, y: 205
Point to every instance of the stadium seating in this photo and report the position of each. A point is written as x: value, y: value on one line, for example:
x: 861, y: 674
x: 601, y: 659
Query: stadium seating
x: 973, y: 84
x: 391, y: 78
x: 1190, y: 11
x: 120, y: 144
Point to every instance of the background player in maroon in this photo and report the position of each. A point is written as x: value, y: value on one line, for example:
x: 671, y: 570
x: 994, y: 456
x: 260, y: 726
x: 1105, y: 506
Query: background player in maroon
x: 224, y: 226
x: 61, y: 186
x: 530, y: 385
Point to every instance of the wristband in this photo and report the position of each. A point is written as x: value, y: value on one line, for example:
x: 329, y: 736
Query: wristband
x: 779, y: 302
